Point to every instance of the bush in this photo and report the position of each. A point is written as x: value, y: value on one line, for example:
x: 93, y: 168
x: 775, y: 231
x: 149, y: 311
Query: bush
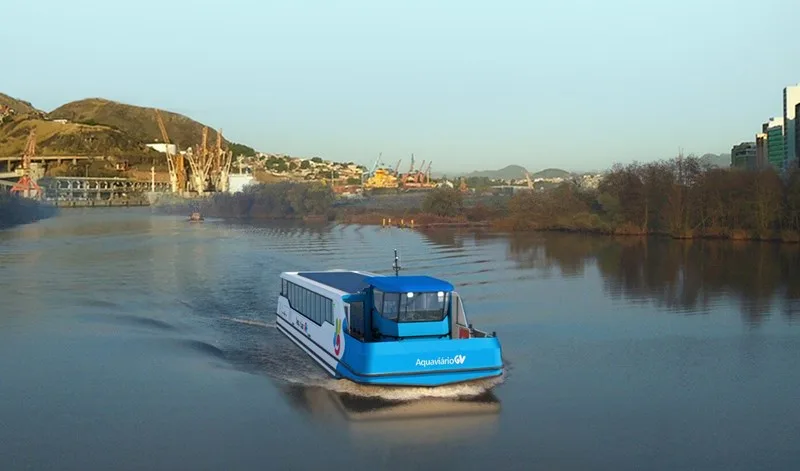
x: 445, y: 202
x: 283, y: 200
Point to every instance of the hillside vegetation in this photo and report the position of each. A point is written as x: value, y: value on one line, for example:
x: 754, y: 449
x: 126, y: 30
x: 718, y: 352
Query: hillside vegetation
x: 19, y: 106
x: 99, y: 127
x: 139, y: 123
x: 53, y: 138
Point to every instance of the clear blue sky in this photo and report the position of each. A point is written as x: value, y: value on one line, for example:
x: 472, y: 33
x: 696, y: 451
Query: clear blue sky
x: 576, y: 84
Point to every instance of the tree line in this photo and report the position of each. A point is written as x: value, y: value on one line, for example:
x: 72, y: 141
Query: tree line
x: 681, y: 197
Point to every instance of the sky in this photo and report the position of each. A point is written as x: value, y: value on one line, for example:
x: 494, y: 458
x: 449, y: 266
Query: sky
x: 572, y: 84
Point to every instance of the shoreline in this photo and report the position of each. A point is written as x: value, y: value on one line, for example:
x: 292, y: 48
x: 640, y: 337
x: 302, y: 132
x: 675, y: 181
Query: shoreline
x: 429, y: 221
x: 504, y: 224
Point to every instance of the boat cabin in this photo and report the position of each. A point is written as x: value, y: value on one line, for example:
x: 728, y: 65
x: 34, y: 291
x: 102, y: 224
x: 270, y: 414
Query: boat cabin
x: 391, y: 308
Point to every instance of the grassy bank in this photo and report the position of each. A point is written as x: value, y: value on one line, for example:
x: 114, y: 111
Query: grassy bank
x: 15, y: 211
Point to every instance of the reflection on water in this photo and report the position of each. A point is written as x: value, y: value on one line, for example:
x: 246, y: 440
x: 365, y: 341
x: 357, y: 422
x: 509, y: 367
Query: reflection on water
x: 683, y: 276
x: 421, y: 421
x: 144, y: 332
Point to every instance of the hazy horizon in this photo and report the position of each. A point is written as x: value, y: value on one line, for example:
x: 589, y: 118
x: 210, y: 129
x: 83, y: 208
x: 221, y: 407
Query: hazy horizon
x: 576, y: 85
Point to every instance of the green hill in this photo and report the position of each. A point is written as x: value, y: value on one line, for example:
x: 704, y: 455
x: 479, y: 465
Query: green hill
x: 53, y: 138
x: 139, y: 123
x: 20, y: 107
x: 100, y: 127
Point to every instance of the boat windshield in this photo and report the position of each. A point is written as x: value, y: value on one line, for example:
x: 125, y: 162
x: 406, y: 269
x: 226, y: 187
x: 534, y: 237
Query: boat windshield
x: 413, y: 307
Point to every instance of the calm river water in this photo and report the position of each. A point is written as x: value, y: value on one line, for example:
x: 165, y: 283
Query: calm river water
x: 137, y: 341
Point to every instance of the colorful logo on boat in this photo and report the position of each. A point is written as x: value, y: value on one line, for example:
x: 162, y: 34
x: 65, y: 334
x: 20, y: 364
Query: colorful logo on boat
x: 442, y: 361
x: 337, y: 338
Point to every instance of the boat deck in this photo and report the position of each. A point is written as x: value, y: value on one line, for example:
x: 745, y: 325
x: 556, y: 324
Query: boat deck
x: 347, y: 281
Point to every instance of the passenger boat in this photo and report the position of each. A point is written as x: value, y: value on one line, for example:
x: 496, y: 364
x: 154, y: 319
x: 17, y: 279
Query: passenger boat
x: 396, y: 330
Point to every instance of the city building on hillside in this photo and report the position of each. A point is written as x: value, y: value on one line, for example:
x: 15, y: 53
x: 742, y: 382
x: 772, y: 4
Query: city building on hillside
x: 161, y: 147
x: 743, y: 156
x: 776, y: 145
x: 791, y: 98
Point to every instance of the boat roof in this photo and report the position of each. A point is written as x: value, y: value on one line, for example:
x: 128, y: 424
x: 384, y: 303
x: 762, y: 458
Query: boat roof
x: 347, y: 281
x: 353, y: 282
x: 406, y: 284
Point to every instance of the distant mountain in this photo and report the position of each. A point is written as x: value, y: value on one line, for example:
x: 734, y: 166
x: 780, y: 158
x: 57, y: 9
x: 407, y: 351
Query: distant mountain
x: 515, y: 172
x: 551, y: 173
x: 505, y: 173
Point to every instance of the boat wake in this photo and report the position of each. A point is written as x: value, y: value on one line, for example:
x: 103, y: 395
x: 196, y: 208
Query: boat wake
x: 252, y: 322
x: 411, y: 393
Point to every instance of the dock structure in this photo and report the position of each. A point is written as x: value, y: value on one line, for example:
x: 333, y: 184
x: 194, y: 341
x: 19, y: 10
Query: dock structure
x: 58, y: 159
x: 99, y: 191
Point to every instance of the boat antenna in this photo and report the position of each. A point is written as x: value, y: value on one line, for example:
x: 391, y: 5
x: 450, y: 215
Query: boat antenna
x: 396, y: 265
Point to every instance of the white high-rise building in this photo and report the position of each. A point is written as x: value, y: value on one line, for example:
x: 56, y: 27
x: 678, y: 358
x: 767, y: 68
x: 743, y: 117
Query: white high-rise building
x: 791, y: 97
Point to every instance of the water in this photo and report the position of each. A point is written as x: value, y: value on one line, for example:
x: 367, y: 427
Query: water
x: 135, y: 341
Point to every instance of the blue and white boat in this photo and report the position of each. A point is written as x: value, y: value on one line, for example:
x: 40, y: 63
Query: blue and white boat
x: 385, y: 329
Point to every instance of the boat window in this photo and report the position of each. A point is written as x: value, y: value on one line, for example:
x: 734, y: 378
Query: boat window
x: 329, y: 310
x: 422, y: 307
x: 391, y: 303
x: 377, y: 300
x: 314, y: 306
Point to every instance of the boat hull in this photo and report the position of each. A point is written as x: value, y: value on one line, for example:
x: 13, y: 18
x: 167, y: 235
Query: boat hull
x: 421, y: 363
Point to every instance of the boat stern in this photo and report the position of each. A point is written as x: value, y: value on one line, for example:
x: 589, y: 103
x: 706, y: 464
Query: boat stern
x: 422, y: 362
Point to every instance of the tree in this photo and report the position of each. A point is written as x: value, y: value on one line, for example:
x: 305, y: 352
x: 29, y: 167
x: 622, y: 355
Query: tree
x: 241, y: 149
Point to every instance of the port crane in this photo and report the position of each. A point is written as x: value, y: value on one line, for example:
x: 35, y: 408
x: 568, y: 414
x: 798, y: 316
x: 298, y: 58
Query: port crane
x: 201, y: 163
x: 221, y: 167
x: 27, y: 186
x: 177, y: 172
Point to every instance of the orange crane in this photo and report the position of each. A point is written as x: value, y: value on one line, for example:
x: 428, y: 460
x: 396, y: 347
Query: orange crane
x: 26, y: 186
x: 177, y: 172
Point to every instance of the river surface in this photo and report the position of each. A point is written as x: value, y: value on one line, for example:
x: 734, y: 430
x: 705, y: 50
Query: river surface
x: 130, y: 340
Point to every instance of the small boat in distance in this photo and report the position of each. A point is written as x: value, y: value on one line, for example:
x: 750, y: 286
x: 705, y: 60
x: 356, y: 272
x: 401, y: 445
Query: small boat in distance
x: 385, y: 330
x: 195, y: 217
